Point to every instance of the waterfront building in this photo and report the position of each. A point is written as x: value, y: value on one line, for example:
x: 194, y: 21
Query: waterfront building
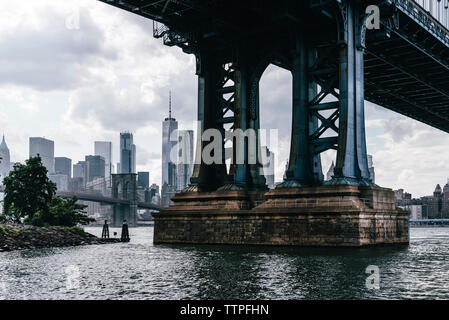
x: 80, y: 170
x: 95, y: 167
x: 104, y: 149
x: 269, y: 166
x: 185, y: 161
x: 5, y: 161
x: 61, y: 181
x: 45, y: 148
x: 169, y: 141
x: 372, y: 173
x: 63, y: 165
x: 143, y: 180
x: 127, y: 153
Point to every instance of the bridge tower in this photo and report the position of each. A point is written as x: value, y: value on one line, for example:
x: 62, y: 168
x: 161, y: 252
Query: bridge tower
x: 124, y: 188
x: 322, y: 43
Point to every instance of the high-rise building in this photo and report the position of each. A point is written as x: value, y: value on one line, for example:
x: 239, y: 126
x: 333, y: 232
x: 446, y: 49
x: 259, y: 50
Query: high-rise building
x: 143, y: 180
x: 104, y: 149
x: 330, y: 172
x: 63, y: 165
x: 269, y: 166
x: 61, y: 181
x: 80, y: 170
x: 46, y: 150
x: 95, y: 167
x: 127, y: 153
x: 372, y: 174
x: 185, y: 161
x: 5, y: 160
x: 169, y: 141
x: 169, y: 157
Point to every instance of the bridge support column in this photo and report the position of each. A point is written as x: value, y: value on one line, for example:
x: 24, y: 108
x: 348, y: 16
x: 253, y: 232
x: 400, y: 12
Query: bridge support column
x: 208, y: 176
x: 352, y: 163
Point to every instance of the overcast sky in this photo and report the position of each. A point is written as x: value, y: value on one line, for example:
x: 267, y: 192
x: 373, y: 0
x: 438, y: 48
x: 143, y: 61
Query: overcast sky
x: 77, y: 85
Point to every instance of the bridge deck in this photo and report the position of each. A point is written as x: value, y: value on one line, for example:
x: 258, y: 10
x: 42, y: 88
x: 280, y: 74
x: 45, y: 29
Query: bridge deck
x: 407, y: 72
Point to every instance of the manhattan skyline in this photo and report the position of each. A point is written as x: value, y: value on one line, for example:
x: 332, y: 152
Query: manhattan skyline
x: 109, y: 75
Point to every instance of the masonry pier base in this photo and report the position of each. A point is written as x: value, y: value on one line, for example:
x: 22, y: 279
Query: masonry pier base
x: 322, y: 216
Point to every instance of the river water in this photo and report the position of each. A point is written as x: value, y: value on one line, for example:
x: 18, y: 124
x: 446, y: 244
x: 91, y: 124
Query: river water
x: 141, y: 270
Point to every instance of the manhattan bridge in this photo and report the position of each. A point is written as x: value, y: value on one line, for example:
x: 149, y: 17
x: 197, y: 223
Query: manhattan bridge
x: 341, y: 53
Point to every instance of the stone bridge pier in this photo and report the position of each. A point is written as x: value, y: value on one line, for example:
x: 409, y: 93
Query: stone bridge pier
x: 124, y: 187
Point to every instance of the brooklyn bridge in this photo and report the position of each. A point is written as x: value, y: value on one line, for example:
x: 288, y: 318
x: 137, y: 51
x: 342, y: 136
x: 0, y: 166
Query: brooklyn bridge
x: 341, y: 53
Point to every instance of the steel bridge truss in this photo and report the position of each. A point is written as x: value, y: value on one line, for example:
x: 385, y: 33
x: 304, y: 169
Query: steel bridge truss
x: 335, y: 63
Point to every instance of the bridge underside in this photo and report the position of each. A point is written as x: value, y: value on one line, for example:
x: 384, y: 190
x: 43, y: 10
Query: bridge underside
x: 336, y: 64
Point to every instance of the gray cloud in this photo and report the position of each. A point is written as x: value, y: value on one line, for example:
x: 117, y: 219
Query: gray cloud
x: 51, y: 56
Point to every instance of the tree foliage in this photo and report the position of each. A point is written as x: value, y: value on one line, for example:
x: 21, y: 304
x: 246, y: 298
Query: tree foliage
x: 31, y: 197
x: 62, y: 212
x: 27, y: 190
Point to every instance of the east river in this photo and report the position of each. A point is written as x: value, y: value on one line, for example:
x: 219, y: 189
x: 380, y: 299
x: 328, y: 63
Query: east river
x: 141, y: 270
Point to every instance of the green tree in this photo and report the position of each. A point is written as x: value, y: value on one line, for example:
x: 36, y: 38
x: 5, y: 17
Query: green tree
x: 62, y: 212
x: 27, y: 190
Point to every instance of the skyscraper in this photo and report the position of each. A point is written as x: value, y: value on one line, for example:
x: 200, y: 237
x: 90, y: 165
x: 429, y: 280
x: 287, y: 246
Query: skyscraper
x: 63, y: 165
x: 80, y: 171
x: 185, y: 161
x: 143, y: 180
x: 127, y: 153
x: 169, y: 140
x: 269, y: 165
x: 95, y: 167
x: 5, y: 161
x: 46, y: 150
x: 104, y: 149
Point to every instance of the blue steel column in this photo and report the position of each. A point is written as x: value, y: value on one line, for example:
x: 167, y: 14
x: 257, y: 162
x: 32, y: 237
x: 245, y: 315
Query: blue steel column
x: 242, y: 177
x: 352, y: 166
x: 206, y: 177
x: 300, y: 166
x: 362, y: 157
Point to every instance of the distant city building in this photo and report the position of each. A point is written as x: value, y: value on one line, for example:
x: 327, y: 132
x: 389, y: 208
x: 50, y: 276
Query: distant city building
x: 127, y: 153
x: 372, y: 174
x: 169, y: 141
x: 63, y: 165
x: 46, y: 150
x: 143, y: 180
x: 61, y: 181
x: 104, y: 149
x: 415, y: 211
x: 98, y: 184
x: 95, y: 167
x: 268, y: 168
x: 80, y: 170
x: 330, y: 172
x: 154, y: 194
x: 5, y: 160
x: 76, y: 184
x: 169, y: 131
x: 167, y: 192
x: 185, y: 160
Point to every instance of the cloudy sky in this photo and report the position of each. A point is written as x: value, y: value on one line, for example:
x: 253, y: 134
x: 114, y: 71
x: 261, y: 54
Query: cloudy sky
x: 76, y: 83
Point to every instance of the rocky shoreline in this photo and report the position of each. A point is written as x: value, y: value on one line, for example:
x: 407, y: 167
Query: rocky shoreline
x: 17, y: 237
